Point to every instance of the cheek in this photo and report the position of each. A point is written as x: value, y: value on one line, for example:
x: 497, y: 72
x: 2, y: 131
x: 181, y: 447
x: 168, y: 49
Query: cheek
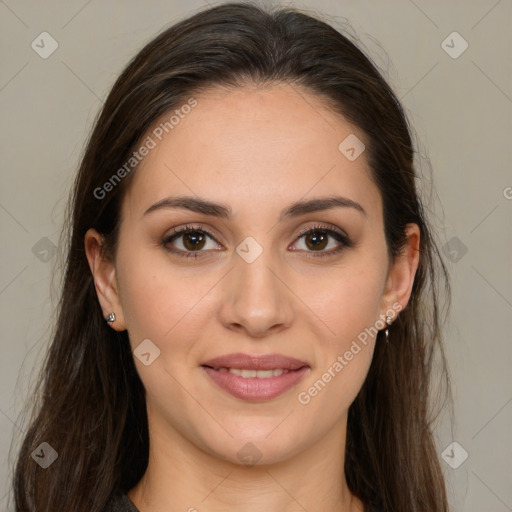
x: 348, y: 305
x: 348, y: 299
x: 351, y: 311
x: 156, y: 298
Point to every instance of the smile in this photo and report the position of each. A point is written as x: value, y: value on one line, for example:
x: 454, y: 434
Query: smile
x: 255, y: 385
x: 259, y: 374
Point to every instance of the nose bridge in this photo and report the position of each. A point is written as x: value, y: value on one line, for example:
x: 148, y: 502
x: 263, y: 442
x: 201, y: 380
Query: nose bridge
x: 257, y: 298
x: 258, y: 275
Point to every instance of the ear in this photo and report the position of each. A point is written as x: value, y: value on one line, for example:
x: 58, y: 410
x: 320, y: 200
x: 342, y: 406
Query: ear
x: 401, y: 274
x: 104, y: 274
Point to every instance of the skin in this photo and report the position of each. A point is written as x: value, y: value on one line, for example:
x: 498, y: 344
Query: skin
x: 256, y: 150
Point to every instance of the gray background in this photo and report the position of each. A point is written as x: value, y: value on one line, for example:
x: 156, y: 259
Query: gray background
x: 460, y: 108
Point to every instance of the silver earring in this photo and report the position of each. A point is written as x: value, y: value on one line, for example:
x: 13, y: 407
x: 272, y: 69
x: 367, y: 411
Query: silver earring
x: 389, y: 321
x: 110, y: 318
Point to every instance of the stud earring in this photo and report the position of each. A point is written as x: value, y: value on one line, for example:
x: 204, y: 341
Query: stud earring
x: 110, y: 318
x: 389, y: 321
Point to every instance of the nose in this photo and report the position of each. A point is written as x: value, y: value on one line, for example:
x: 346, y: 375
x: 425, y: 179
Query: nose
x: 256, y: 298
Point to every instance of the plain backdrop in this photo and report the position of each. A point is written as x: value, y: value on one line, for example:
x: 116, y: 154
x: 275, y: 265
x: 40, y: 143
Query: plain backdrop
x: 458, y: 99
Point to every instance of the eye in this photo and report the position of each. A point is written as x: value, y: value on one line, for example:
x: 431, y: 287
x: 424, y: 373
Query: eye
x: 190, y: 241
x: 316, y: 239
x: 193, y: 240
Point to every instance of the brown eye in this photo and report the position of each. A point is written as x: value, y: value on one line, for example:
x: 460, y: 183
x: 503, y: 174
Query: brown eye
x: 316, y: 240
x: 193, y: 240
x: 189, y: 241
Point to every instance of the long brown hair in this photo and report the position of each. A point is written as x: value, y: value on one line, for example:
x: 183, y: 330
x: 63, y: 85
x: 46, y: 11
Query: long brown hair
x: 92, y: 405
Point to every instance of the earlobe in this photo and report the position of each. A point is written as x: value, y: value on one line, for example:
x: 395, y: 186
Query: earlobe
x: 403, y: 271
x: 105, y: 282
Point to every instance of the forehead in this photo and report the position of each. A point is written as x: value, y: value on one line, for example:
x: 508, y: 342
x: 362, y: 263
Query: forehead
x: 251, y: 147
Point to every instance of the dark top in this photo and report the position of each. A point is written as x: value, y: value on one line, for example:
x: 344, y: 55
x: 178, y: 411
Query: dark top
x: 121, y: 503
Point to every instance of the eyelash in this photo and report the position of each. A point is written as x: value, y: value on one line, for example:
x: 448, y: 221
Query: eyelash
x: 337, y: 235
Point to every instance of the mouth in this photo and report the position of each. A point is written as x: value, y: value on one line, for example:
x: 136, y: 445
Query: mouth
x: 241, y: 361
x: 251, y: 374
x: 255, y: 377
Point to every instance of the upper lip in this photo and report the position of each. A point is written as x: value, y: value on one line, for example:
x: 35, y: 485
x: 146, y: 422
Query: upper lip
x: 255, y: 362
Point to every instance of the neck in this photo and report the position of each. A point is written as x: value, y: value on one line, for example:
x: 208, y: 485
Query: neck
x: 182, y: 477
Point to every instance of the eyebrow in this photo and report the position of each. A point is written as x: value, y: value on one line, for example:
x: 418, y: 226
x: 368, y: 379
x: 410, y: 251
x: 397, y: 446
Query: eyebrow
x: 199, y: 205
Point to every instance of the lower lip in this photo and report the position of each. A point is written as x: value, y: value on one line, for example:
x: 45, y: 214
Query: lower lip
x: 253, y: 388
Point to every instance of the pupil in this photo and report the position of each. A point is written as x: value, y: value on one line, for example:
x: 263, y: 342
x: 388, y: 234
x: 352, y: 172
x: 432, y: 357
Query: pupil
x: 195, y: 238
x: 320, y: 237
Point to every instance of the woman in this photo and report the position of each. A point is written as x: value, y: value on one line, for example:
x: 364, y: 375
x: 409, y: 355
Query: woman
x: 250, y: 308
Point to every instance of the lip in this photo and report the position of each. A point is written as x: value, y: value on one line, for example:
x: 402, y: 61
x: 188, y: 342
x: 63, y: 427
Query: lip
x: 254, y: 388
x: 255, y: 362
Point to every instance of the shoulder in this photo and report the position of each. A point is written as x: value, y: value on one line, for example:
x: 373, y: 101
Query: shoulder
x: 120, y: 503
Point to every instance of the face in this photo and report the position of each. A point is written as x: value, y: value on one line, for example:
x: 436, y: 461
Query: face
x: 253, y: 277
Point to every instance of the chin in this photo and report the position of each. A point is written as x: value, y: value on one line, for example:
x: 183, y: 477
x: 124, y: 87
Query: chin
x: 255, y: 446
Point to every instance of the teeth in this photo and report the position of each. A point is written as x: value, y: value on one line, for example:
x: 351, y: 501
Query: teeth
x: 259, y: 374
